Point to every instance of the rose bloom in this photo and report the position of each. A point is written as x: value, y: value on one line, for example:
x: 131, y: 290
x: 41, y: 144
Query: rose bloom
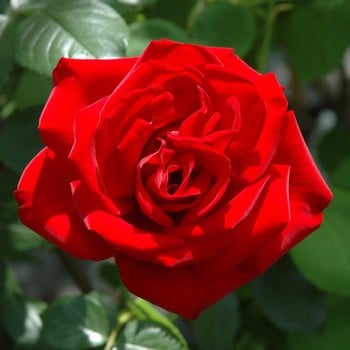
x: 183, y: 164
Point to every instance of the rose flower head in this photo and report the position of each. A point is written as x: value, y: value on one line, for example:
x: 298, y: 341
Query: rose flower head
x: 183, y: 164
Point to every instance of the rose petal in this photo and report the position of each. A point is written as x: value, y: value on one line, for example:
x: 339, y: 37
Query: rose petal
x: 145, y: 201
x: 99, y: 77
x: 230, y: 87
x: 46, y: 207
x: 120, y: 141
x: 77, y: 84
x: 142, y: 76
x: 83, y: 157
x: 271, y: 132
x: 178, y: 54
x: 235, y: 63
x: 128, y: 238
x: 306, y: 182
x: 265, y: 218
x: 208, y: 160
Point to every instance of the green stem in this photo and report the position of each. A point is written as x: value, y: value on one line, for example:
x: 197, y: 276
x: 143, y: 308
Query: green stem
x: 263, y: 53
x: 123, y: 318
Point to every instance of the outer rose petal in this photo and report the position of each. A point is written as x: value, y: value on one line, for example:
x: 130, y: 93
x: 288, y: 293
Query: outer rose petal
x: 271, y: 131
x: 77, y: 84
x: 178, y: 54
x: 229, y: 59
x: 306, y: 182
x: 46, y: 207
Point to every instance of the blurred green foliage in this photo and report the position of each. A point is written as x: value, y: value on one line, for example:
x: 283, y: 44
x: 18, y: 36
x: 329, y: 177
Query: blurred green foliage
x: 303, y: 301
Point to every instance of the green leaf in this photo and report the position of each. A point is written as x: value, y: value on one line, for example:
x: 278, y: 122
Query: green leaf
x: 24, y: 239
x: 16, y: 239
x: 176, y: 11
x: 75, y: 323
x: 8, y: 281
x: 335, y: 335
x: 8, y: 214
x: 19, y: 139
x: 217, y: 326
x: 7, y: 184
x: 3, y: 5
x: 80, y: 28
x: 144, y: 310
x: 21, y: 318
x: 7, y: 40
x: 341, y: 175
x: 130, y: 13
x: 141, y: 33
x: 32, y: 89
x: 317, y: 40
x: 327, y: 4
x: 109, y: 302
x: 324, y: 257
x: 133, y: 5
x: 110, y: 274
x: 333, y: 148
x: 288, y: 300
x: 143, y: 335
x: 23, y: 6
x: 223, y: 24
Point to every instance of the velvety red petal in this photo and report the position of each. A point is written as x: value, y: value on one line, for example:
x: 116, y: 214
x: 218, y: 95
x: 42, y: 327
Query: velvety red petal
x: 231, y: 60
x: 128, y: 238
x: 178, y: 54
x: 99, y: 77
x: 189, y: 289
x: 83, y: 157
x: 176, y: 289
x: 57, y: 118
x: 268, y: 219
x: 306, y: 182
x: 45, y: 205
x: 302, y: 223
x: 168, y: 78
x: 77, y: 84
x: 251, y: 220
x: 145, y: 201
x: 265, y: 146
x: 82, y: 154
x: 225, y: 218
x: 252, y: 112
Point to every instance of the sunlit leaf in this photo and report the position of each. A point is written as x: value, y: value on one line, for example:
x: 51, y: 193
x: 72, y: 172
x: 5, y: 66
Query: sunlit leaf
x: 21, y: 318
x: 80, y: 28
x: 143, y: 335
x: 144, y: 310
x: 75, y: 323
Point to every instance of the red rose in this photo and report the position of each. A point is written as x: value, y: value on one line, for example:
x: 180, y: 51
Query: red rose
x: 183, y: 164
